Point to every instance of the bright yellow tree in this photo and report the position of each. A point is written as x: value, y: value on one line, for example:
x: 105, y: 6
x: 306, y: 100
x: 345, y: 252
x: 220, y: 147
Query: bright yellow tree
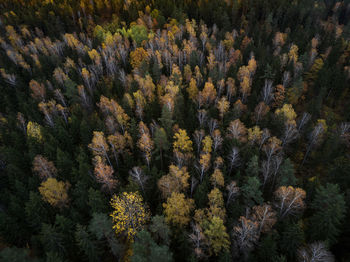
x: 182, y: 142
x: 55, y: 192
x: 207, y: 144
x: 129, y: 214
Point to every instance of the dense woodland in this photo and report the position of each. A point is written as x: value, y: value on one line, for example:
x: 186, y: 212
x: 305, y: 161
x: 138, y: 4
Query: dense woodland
x: 174, y: 130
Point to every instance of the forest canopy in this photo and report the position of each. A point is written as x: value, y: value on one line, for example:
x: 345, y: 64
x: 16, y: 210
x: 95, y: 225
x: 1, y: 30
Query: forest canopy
x: 171, y: 130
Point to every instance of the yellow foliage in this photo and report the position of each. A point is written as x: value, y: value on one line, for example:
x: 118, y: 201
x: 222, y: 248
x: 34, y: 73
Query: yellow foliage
x: 175, y: 181
x: 192, y: 89
x: 287, y: 112
x: 223, y: 105
x: 55, y: 192
x: 217, y: 178
x: 129, y: 214
x: 34, y: 131
x: 182, y: 141
x: 254, y: 134
x: 138, y: 56
x: 207, y: 144
x: 217, y: 236
x: 177, y: 209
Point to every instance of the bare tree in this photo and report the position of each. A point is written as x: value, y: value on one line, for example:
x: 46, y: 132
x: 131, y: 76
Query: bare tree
x: 290, y: 134
x: 202, y: 116
x: 198, y: 136
x: 233, y: 158
x: 304, y: 119
x: 212, y: 124
x: 264, y: 136
x: 265, y: 216
x: 315, y: 252
x: 198, y: 239
x: 139, y: 177
x: 217, y: 139
x: 232, y: 192
x: 246, y: 234
x: 314, y: 139
x: 267, y: 92
x: 194, y: 183
x: 289, y: 200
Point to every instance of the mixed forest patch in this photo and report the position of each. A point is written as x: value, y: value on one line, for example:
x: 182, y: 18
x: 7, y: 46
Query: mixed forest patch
x: 171, y: 130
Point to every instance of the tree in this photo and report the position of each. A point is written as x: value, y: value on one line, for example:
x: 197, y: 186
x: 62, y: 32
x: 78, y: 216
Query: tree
x: 145, y: 249
x: 217, y: 178
x: 199, y: 241
x: 101, y: 226
x: 120, y: 144
x: 138, y: 33
x: 217, y: 139
x: 182, y: 142
x: 260, y: 111
x: 129, y: 214
x: 315, y: 252
x: 232, y: 192
x: 265, y: 216
x: 43, y: 167
x: 38, y: 90
x: 328, y: 213
x: 138, y: 56
x: 292, y: 237
x: 223, y: 105
x: 216, y: 235
x: 146, y: 145
x: 15, y: 254
x: 175, y: 181
x: 166, y: 120
x: 85, y: 242
x: 254, y: 134
x: 207, y: 95
x: 139, y: 177
x: 237, y: 130
x: 233, y: 158
x: 161, y: 143
x: 315, y: 137
x: 192, y: 89
x: 246, y: 235
x: 104, y: 174
x: 289, y: 200
x: 287, y: 113
x: 198, y: 136
x: 99, y: 146
x: 290, y: 133
x: 279, y: 96
x: 207, y: 144
x: 111, y: 107
x: 160, y: 230
x: 55, y: 192
x: 177, y: 209
x: 251, y: 191
x: 203, y: 165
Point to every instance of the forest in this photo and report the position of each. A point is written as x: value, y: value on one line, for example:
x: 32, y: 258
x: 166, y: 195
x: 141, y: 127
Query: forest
x: 174, y: 130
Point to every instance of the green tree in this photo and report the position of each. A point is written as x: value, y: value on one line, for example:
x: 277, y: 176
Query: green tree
x: 86, y: 243
x: 292, y: 236
x: 251, y: 192
x: 253, y: 166
x: 162, y: 144
x: 328, y: 213
x: 14, y: 254
x: 217, y: 235
x: 160, y: 230
x: 166, y: 120
x: 146, y: 250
